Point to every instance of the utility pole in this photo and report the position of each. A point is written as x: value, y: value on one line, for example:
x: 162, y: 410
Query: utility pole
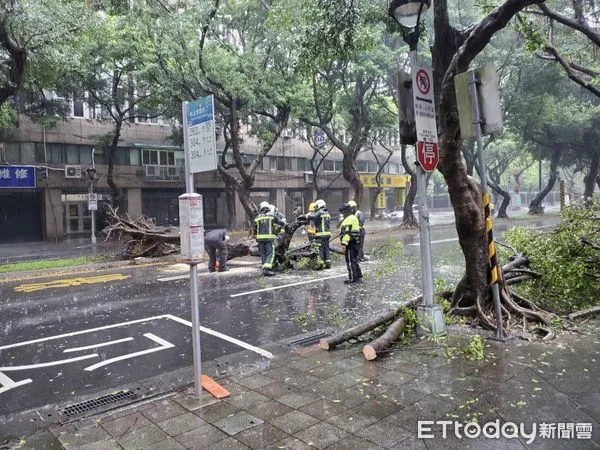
x: 92, y: 197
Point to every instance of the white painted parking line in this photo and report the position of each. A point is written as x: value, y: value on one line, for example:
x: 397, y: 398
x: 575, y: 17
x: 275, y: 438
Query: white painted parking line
x: 8, y: 384
x: 163, y: 346
x: 47, y: 364
x: 173, y: 278
x: 417, y: 244
x: 283, y: 286
x: 104, y: 344
x: 233, y: 340
x: 147, y: 319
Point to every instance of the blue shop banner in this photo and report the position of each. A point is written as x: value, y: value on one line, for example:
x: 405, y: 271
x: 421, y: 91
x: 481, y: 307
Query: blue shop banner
x: 17, y: 177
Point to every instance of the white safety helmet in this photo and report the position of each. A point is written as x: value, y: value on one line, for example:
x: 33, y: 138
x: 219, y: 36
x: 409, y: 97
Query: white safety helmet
x: 351, y: 204
x: 320, y: 204
x: 272, y: 209
x: 264, y: 206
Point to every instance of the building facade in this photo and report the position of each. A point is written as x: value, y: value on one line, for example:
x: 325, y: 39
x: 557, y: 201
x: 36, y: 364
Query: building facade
x: 150, y: 171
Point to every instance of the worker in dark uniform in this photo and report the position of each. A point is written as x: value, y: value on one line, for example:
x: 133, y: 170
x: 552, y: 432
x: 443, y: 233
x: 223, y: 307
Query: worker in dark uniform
x: 350, y: 236
x: 265, y: 225
x: 215, y: 245
x: 320, y: 221
x: 361, y: 222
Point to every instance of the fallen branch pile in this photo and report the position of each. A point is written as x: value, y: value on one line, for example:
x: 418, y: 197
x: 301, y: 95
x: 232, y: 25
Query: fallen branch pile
x: 382, y: 343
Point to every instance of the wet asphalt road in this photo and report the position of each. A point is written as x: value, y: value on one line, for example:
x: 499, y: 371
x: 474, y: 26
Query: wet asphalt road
x: 64, y: 339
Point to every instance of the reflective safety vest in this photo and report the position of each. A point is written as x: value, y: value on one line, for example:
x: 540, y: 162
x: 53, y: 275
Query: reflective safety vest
x: 350, y: 229
x: 321, y: 222
x: 265, y: 230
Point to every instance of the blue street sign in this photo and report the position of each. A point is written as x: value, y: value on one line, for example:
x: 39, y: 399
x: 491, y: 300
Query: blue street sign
x: 17, y: 177
x: 200, y: 111
x: 320, y: 138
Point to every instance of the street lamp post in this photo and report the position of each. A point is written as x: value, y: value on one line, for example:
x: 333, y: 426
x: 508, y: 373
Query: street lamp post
x: 408, y: 14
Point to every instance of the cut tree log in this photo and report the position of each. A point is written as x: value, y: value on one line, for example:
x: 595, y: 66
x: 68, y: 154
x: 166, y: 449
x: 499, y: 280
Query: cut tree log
x: 330, y: 342
x: 584, y: 312
x: 383, y: 342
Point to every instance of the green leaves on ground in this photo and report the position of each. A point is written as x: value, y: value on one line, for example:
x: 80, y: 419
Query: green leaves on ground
x: 570, y: 276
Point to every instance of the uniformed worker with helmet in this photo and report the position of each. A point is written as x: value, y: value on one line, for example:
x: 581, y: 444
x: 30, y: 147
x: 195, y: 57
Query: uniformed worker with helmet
x: 266, y: 225
x: 350, y: 237
x: 320, y: 220
x: 310, y: 226
x: 361, y: 222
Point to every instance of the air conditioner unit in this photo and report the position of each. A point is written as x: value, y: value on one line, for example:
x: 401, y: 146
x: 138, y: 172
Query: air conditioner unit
x: 287, y: 134
x: 72, y: 171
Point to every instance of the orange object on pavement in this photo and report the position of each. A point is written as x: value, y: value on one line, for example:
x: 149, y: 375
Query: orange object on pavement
x: 214, y: 388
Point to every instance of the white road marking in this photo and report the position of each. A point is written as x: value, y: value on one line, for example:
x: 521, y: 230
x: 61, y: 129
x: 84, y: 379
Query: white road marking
x: 233, y: 340
x: 163, y: 346
x: 147, y: 319
x: 104, y: 344
x: 48, y: 364
x: 8, y: 384
x: 417, y: 244
x: 273, y: 288
x: 173, y: 278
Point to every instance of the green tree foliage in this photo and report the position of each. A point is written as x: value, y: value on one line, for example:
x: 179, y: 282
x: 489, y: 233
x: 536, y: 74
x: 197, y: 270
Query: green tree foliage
x: 568, y: 258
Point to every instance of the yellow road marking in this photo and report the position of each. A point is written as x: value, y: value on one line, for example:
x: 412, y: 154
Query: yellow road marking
x: 75, y: 270
x: 68, y: 282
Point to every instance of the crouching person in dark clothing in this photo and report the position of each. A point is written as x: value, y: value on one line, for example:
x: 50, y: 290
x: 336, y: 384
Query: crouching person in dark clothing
x: 215, y: 246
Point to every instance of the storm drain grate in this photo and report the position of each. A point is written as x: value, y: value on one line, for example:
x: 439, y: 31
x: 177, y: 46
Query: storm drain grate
x: 309, y: 340
x: 90, y: 405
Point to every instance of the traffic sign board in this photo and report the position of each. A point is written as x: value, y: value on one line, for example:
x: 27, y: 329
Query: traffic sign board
x: 320, y: 139
x: 92, y: 201
x: 424, y: 102
x: 199, y: 135
x: 427, y: 155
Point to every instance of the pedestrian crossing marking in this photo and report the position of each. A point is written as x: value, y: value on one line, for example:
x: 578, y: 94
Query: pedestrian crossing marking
x: 69, y: 282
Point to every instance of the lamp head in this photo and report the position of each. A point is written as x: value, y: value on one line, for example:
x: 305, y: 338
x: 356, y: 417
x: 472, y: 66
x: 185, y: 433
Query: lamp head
x: 408, y: 12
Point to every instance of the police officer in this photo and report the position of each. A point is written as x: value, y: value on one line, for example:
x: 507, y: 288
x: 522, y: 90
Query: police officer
x: 265, y: 225
x: 215, y: 246
x: 350, y: 237
x: 361, y: 222
x: 320, y: 220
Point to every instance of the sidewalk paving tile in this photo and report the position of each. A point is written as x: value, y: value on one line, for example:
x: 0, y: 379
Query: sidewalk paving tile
x: 163, y: 410
x: 321, y: 435
x: 215, y: 411
x: 384, y: 434
x: 269, y: 410
x: 323, y: 408
x: 167, y: 444
x: 261, y: 436
x: 354, y: 443
x: 181, y: 424
x: 247, y: 399
x: 118, y: 427
x: 205, y: 436
x: 142, y: 437
x: 241, y: 421
x: 297, y: 400
x: 253, y: 381
x: 192, y: 403
x: 226, y: 444
x: 351, y: 421
x: 86, y: 436
x: 294, y: 421
x: 290, y: 443
x: 102, y: 445
x: 275, y: 390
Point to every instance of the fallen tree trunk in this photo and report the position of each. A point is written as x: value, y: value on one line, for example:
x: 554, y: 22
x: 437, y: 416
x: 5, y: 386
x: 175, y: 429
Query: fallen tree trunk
x: 584, y: 312
x: 330, y: 342
x: 384, y: 341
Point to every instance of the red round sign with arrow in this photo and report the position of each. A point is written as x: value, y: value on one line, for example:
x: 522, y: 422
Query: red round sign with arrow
x: 423, y: 82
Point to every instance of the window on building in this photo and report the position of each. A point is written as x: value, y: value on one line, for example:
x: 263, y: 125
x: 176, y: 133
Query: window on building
x: 12, y: 152
x: 280, y: 163
x: 122, y: 156
x: 134, y: 156
x: 57, y: 153
x: 393, y: 168
x: 294, y: 164
x: 85, y: 154
x: 329, y: 165
x: 72, y: 154
x: 362, y: 166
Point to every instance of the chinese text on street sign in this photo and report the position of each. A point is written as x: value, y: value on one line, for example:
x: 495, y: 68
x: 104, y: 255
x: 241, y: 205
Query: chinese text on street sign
x: 199, y: 131
x: 424, y: 101
x: 17, y: 177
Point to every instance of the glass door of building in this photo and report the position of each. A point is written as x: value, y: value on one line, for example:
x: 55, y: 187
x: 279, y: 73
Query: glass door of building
x: 78, y: 218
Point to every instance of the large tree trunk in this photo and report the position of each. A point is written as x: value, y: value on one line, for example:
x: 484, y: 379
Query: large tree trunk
x: 351, y: 176
x: 408, y: 217
x: 116, y: 191
x: 505, y: 199
x: 592, y: 176
x: 535, y: 207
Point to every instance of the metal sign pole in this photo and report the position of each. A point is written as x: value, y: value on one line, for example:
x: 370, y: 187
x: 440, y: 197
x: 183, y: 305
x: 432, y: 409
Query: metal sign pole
x: 195, y: 303
x: 429, y: 313
x: 490, y: 238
